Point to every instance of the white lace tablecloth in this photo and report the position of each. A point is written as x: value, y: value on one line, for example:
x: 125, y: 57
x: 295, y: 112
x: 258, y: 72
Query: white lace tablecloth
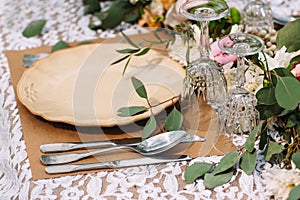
x: 65, y: 21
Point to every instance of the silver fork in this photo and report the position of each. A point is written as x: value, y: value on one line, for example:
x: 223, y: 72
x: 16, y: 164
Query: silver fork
x: 29, y: 59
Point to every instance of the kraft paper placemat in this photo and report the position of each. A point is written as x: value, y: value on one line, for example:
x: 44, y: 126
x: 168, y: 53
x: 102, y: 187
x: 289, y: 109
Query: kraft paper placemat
x: 37, y: 132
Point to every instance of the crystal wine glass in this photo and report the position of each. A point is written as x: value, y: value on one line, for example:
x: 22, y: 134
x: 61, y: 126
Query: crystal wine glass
x: 238, y: 113
x: 257, y: 16
x: 204, y: 77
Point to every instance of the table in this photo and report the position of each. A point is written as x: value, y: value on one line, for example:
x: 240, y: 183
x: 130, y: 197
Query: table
x: 66, y: 22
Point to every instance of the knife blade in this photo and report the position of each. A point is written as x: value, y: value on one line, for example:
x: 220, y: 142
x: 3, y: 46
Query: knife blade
x: 66, y: 168
x: 68, y: 146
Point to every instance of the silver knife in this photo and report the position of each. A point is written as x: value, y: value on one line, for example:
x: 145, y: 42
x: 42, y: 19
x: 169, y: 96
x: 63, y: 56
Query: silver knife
x: 68, y: 146
x: 57, y: 169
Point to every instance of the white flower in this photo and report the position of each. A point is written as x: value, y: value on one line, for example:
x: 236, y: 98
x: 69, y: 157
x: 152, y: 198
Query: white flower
x: 254, y: 78
x: 279, y: 182
x: 281, y: 59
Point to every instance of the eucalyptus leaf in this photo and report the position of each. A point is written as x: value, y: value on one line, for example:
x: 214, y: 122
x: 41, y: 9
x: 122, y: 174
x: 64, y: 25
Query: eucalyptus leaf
x: 120, y: 60
x: 34, y: 28
x: 266, y: 96
x: 115, y: 14
x: 292, y: 121
x: 228, y: 161
x: 263, y: 137
x: 59, y: 45
x: 287, y: 92
x: 267, y: 111
x: 235, y: 16
x: 295, y: 193
x: 272, y: 149
x: 212, y: 181
x: 249, y: 144
x: 131, y: 111
x: 139, y: 87
x: 248, y: 162
x: 85, y: 42
x: 125, y: 51
x: 143, y: 52
x: 279, y: 72
x: 195, y: 171
x: 126, y: 65
x: 289, y: 36
x: 296, y: 159
x: 129, y: 40
x: 174, y: 120
x: 294, y: 61
x: 91, y: 6
x: 149, y: 127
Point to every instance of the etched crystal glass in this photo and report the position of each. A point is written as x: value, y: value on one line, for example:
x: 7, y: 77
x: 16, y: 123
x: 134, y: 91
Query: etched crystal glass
x: 204, y: 77
x: 238, y: 113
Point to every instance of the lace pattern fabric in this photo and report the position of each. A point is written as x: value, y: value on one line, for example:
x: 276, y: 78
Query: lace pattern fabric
x: 66, y: 21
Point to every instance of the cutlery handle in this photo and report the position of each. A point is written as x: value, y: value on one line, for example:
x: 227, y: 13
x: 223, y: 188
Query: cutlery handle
x: 56, y: 169
x: 66, y: 158
x: 58, y: 147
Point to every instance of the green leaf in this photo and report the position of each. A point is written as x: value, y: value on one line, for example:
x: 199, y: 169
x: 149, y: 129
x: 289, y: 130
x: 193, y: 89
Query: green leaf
x: 212, y: 181
x: 292, y: 121
x: 248, y: 162
x: 263, y: 137
x: 91, y: 6
x: 59, y: 45
x: 126, y: 65
x: 129, y: 40
x: 289, y: 36
x: 273, y: 148
x: 267, y: 111
x: 115, y: 14
x: 143, y: 52
x: 85, y: 42
x: 149, y: 127
x: 294, y: 61
x: 235, y: 16
x: 296, y: 159
x: 295, y: 193
x: 34, y: 28
x: 228, y: 161
x: 195, y: 171
x: 125, y: 51
x: 120, y: 60
x: 139, y: 87
x: 131, y: 111
x: 279, y: 72
x: 174, y: 120
x: 249, y: 144
x: 266, y: 96
x: 287, y: 92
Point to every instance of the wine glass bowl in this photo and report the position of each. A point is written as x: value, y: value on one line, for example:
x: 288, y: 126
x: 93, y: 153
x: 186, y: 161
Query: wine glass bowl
x: 204, y: 77
x: 204, y: 10
x: 238, y: 114
x: 241, y: 44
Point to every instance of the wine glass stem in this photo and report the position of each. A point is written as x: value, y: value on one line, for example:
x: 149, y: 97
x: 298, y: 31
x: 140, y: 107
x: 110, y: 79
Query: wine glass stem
x: 204, y: 46
x: 240, y: 73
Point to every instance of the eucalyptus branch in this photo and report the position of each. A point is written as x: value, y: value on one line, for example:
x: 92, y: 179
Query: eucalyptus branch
x: 136, y: 50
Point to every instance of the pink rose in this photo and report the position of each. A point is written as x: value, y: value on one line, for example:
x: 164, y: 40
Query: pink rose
x: 221, y: 57
x: 296, y: 71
